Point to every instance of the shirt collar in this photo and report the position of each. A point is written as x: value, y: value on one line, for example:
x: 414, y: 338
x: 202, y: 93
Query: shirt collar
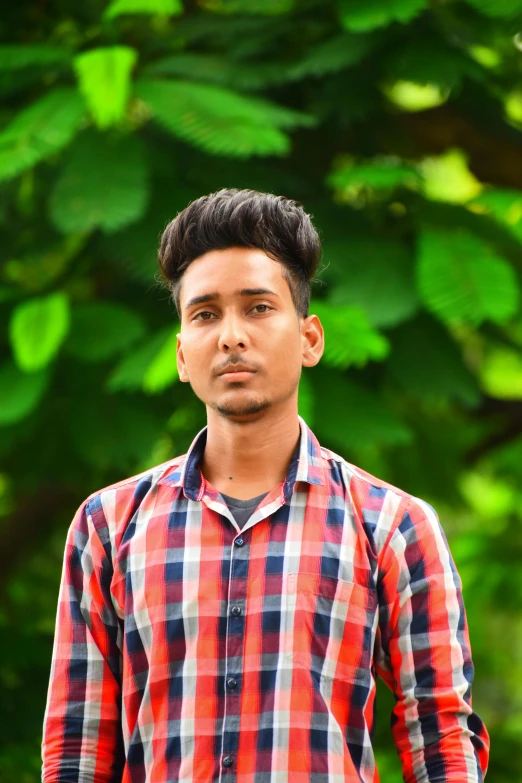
x: 307, y: 464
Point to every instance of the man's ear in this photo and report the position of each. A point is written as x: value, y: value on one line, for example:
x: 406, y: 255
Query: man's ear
x: 182, y: 370
x: 312, y: 337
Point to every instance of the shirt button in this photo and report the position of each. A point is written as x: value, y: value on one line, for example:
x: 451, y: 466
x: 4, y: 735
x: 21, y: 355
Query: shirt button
x: 236, y: 611
x: 227, y: 761
x: 231, y: 682
x: 239, y: 542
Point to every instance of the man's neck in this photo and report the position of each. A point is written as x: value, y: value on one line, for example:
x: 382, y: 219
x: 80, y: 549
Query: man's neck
x: 248, y: 458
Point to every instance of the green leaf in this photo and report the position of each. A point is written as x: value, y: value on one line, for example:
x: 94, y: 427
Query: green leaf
x: 144, y: 368
x: 220, y: 121
x: 504, y: 205
x: 227, y: 32
x: 7, y: 293
x: 20, y: 392
x: 113, y: 432
x: 447, y: 178
x: 348, y: 415
x: 439, y: 373
x: 37, y: 329
x: 360, y: 15
x: 501, y: 373
x: 507, y: 457
x: 306, y: 396
x: 488, y: 496
x: 268, y: 7
x: 102, y: 329
x: 334, y: 55
x: 357, y: 263
x: 135, y: 249
x: 430, y: 62
x: 461, y: 278
x: 387, y: 763
x: 40, y: 130
x: 212, y: 69
x: 163, y: 369
x: 104, y: 184
x: 486, y: 56
x: 415, y: 97
x: 167, y: 7
x: 382, y: 173
x: 349, y: 337
x: 499, y: 8
x: 39, y: 270
x: 15, y: 57
x: 104, y: 79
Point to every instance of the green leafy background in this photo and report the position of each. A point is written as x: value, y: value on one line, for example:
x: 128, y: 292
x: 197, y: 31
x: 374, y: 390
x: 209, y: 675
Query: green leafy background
x: 397, y: 123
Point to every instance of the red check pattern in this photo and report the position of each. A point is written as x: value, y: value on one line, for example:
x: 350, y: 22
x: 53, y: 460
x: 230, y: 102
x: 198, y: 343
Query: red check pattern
x: 188, y: 651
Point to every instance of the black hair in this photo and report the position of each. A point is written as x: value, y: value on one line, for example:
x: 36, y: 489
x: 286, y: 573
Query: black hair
x: 243, y: 218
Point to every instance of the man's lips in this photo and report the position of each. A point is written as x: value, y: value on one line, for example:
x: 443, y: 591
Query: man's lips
x: 230, y: 368
x: 237, y: 375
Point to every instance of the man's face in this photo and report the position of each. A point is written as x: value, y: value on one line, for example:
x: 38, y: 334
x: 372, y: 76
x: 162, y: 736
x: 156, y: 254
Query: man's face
x: 247, y: 320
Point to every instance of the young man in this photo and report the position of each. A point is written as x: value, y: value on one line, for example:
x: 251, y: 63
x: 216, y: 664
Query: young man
x: 223, y: 616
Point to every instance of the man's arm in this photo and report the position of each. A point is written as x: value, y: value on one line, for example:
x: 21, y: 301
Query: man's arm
x: 82, y: 724
x: 425, y: 654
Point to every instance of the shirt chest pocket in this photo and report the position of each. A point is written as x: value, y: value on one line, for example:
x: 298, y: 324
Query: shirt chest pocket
x: 330, y: 625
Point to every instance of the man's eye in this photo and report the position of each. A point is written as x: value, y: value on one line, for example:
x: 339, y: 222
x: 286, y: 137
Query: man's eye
x: 203, y: 312
x: 207, y: 312
x: 263, y: 305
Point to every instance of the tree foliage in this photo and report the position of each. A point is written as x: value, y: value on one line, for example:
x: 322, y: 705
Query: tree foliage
x: 397, y: 124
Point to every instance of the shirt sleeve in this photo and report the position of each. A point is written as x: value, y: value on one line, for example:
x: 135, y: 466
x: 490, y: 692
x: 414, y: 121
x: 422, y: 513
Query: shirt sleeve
x: 82, y: 740
x: 425, y: 654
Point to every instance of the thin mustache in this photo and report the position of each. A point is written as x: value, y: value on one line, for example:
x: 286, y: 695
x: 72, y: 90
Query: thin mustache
x: 236, y: 367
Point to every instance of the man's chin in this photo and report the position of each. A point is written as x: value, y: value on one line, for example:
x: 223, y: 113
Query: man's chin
x: 240, y: 409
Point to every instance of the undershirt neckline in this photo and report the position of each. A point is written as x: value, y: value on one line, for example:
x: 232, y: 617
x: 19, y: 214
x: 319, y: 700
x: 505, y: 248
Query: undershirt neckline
x: 238, y: 503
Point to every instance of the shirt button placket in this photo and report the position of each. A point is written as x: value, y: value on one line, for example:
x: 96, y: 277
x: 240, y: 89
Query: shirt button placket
x: 234, y: 651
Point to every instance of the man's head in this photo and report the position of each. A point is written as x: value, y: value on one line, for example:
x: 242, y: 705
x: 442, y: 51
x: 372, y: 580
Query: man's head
x: 243, y: 218
x: 239, y: 264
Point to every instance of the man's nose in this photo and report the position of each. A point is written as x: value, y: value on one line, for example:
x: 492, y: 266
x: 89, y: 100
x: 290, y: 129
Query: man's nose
x: 232, y: 333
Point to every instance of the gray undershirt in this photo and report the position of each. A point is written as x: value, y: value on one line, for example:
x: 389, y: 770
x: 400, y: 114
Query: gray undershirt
x: 242, y: 510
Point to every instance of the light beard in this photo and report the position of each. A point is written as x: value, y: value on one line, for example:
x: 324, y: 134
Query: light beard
x: 241, y: 409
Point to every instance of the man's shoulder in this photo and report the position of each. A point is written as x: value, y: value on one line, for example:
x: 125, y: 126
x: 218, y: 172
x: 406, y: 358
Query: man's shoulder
x: 369, y: 488
x: 170, y: 469
x: 381, y: 506
x: 358, y: 474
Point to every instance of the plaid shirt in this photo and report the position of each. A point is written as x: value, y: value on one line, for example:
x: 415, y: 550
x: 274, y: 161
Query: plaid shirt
x: 186, y: 650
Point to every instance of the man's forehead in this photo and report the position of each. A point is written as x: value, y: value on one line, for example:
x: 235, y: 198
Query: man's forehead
x: 234, y: 260
x: 224, y: 279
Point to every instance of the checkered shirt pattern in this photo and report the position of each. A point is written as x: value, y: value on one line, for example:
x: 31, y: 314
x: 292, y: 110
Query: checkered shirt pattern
x: 189, y: 651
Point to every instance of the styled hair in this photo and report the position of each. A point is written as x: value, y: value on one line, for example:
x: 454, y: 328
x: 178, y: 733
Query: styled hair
x: 243, y: 218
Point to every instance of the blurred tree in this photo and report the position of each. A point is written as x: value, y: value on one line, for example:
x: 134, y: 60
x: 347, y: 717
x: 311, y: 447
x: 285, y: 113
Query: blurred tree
x: 397, y: 124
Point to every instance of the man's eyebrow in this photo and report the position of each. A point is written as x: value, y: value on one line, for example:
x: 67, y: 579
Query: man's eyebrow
x: 240, y: 292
